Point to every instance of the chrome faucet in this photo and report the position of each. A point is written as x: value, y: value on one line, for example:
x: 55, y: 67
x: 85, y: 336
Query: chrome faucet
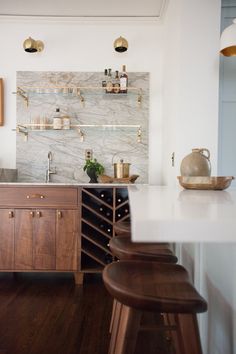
x: 49, y: 170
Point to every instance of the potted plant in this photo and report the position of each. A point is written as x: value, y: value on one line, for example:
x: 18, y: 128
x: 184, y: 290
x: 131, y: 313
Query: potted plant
x: 93, y: 169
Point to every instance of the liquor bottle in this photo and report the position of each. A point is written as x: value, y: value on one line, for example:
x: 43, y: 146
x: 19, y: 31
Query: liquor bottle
x: 116, y: 83
x: 109, y: 85
x: 123, y: 80
x: 104, y: 81
x: 57, y: 120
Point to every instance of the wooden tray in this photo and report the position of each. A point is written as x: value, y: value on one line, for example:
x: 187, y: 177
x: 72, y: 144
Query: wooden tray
x: 108, y: 179
x: 207, y: 183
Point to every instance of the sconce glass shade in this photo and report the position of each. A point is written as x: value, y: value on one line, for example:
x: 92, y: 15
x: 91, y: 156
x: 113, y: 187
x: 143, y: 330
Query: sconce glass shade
x: 32, y: 46
x: 121, y: 45
x: 228, y: 41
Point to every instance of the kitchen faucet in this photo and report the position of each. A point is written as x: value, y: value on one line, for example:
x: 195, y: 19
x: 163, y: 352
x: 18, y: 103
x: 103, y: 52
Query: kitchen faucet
x: 49, y: 170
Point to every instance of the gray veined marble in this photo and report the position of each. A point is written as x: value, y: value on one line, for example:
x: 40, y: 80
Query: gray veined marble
x: 8, y: 175
x: 109, y: 144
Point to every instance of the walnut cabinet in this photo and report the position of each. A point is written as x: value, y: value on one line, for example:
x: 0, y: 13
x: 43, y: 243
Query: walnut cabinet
x: 59, y: 229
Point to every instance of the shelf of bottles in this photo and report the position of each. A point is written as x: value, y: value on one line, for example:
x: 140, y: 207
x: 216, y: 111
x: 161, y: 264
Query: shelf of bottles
x: 101, y: 209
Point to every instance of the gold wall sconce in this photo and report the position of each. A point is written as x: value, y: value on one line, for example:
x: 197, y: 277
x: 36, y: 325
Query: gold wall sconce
x: 121, y: 45
x: 228, y: 40
x: 31, y: 45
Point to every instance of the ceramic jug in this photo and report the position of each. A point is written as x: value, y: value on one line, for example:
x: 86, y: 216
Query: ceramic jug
x: 196, y: 164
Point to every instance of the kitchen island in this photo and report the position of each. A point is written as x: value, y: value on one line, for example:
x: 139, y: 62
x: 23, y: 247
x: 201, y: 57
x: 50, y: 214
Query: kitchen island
x: 57, y: 227
x: 165, y: 214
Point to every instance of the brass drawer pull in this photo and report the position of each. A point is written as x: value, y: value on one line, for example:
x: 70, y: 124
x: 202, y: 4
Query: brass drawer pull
x: 32, y: 214
x: 39, y: 214
x: 59, y: 214
x: 35, y: 196
x: 11, y: 214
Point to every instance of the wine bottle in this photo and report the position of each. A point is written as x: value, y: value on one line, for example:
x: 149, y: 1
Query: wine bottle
x: 119, y: 199
x: 123, y: 80
x: 109, y: 85
x: 104, y: 81
x: 106, y: 196
x: 108, y: 258
x: 116, y: 83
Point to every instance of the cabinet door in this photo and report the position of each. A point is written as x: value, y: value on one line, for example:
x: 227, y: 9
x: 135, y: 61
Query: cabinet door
x: 24, y: 239
x: 67, y: 240
x: 6, y: 239
x: 44, y: 250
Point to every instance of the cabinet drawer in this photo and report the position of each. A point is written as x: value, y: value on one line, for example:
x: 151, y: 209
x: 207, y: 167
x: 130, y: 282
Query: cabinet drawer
x: 38, y: 197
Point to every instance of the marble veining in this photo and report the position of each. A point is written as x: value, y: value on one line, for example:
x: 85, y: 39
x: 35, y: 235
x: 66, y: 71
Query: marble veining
x: 108, y: 144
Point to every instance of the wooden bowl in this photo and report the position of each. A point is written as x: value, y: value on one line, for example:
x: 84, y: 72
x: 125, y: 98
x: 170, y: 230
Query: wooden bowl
x: 205, y: 183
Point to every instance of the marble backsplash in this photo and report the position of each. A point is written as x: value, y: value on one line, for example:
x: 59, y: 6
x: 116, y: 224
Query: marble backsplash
x: 68, y: 151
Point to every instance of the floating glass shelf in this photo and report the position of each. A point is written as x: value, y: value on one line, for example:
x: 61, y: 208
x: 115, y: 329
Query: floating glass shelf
x: 26, y: 92
x: 29, y: 127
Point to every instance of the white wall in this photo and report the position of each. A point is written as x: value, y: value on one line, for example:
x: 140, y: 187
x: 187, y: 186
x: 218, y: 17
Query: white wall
x: 81, y: 46
x: 190, y: 81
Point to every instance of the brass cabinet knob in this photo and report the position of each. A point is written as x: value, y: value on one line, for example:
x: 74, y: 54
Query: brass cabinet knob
x: 32, y: 214
x: 39, y: 214
x: 11, y: 214
x: 59, y: 214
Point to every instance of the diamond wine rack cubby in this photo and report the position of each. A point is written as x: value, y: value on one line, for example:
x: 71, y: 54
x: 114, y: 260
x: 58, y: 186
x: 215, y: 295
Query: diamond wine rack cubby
x: 101, y: 209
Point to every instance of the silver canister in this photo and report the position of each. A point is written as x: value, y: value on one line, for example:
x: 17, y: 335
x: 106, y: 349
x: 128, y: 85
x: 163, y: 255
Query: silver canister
x: 121, y: 169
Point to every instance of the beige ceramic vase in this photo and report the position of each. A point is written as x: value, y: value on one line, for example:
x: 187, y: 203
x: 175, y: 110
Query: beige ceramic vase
x: 196, y: 164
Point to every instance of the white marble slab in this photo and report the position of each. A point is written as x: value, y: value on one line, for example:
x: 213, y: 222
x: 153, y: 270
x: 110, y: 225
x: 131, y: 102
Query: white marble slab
x: 161, y: 214
x: 108, y: 145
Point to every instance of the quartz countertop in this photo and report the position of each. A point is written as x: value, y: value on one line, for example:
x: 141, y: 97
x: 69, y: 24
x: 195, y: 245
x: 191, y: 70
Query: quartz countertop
x: 164, y: 214
x: 76, y: 184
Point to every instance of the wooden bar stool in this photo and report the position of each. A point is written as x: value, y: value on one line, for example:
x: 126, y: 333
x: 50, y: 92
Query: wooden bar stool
x: 152, y: 287
x: 124, y: 249
x: 123, y: 228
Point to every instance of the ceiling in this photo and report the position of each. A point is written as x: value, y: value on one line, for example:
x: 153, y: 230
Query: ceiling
x: 83, y: 8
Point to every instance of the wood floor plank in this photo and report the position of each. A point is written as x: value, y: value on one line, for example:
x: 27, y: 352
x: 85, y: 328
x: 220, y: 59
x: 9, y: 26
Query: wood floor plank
x: 46, y: 313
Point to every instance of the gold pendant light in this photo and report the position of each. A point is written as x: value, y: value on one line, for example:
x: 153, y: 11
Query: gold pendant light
x: 121, y: 44
x: 32, y: 46
x: 228, y: 41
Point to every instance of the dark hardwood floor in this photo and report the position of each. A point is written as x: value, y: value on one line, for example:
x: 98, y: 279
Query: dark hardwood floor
x: 43, y: 313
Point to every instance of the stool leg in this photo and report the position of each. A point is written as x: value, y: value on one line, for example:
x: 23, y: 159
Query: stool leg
x: 114, y: 325
x: 187, y: 328
x: 113, y: 315
x: 129, y: 325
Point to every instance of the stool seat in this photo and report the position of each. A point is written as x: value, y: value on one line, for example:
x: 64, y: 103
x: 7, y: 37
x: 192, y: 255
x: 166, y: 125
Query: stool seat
x: 124, y: 249
x: 152, y: 286
x: 123, y: 228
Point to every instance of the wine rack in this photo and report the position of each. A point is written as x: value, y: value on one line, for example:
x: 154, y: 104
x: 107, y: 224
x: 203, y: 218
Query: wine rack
x: 101, y: 209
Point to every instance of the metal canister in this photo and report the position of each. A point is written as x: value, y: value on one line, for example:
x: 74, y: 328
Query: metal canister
x: 121, y: 169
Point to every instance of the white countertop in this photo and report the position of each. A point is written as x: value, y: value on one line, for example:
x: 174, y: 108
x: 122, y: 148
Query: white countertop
x: 176, y: 215
x: 76, y: 184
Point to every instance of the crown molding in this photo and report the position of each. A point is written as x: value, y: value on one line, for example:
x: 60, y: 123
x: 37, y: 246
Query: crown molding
x: 79, y: 19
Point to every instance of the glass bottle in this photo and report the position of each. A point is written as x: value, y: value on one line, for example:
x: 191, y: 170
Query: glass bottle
x: 123, y: 80
x: 104, y: 81
x: 109, y: 86
x: 57, y: 120
x: 116, y: 83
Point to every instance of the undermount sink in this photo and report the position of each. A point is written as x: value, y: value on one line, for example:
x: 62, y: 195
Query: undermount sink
x: 8, y: 175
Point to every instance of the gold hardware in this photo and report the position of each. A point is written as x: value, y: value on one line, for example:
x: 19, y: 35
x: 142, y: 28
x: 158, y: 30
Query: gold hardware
x: 11, y: 214
x: 81, y: 134
x: 31, y: 45
x: 139, y: 135
x: 39, y: 214
x: 59, y: 214
x: 35, y: 196
x: 32, y: 214
x: 121, y: 44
